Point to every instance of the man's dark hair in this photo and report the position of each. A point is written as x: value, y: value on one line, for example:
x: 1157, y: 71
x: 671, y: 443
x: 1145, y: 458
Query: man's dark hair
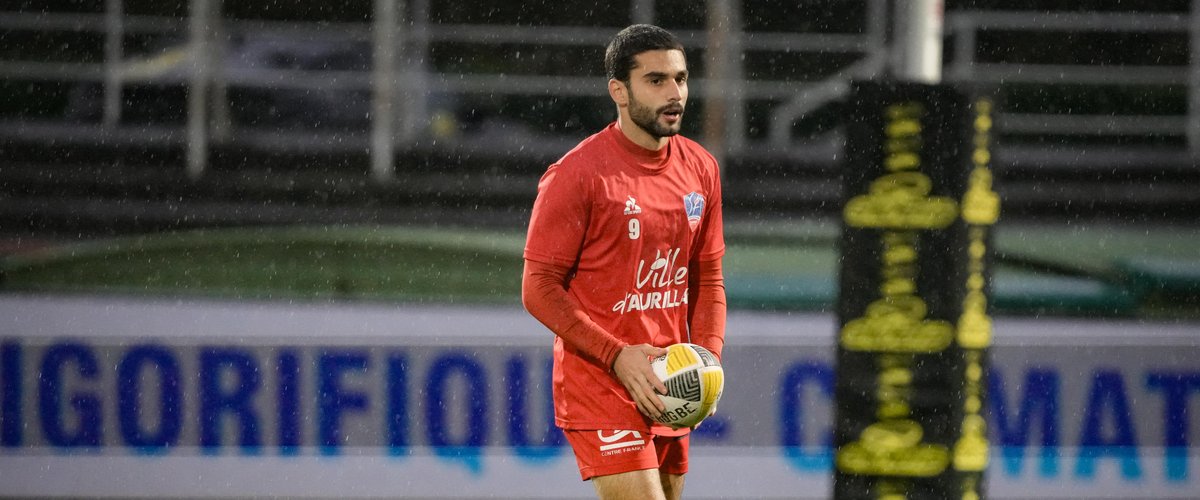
x: 631, y: 41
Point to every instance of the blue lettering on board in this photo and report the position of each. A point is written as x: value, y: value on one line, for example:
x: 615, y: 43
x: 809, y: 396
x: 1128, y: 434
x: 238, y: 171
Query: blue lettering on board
x: 165, y: 433
x: 86, y: 405
x: 10, y: 394
x: 333, y: 399
x: 147, y: 397
x: 1039, y: 399
x: 1108, y: 397
x: 1177, y: 387
x: 466, y: 448
x: 795, y: 377
x: 397, y: 397
x: 288, y: 370
x: 237, y: 402
x: 550, y: 443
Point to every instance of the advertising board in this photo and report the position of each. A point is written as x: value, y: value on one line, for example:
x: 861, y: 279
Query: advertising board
x: 152, y: 398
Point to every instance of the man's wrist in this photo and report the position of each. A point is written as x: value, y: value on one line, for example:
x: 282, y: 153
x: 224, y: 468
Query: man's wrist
x: 616, y: 353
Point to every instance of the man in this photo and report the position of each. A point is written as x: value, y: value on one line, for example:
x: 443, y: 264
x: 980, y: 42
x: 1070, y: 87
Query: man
x: 623, y: 258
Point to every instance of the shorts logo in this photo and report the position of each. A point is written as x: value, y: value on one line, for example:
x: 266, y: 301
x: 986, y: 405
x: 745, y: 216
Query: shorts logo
x: 693, y: 205
x: 615, y: 440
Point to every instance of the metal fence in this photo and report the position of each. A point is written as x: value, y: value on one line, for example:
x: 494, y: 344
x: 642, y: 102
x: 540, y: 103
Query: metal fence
x: 400, y: 90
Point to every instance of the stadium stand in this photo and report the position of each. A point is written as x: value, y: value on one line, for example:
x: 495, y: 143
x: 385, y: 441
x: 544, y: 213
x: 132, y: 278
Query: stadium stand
x: 1098, y: 113
x: 1102, y: 120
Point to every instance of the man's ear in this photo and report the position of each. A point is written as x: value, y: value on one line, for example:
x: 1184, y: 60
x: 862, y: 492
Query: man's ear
x: 618, y: 92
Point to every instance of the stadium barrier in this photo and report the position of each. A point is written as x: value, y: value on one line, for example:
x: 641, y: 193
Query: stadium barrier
x: 194, y: 398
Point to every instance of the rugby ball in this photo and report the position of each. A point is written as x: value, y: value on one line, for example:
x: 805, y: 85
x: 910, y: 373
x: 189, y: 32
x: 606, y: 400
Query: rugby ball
x: 694, y: 381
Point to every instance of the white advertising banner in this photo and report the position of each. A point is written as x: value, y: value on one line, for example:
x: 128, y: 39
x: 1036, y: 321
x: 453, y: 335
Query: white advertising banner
x: 192, y: 398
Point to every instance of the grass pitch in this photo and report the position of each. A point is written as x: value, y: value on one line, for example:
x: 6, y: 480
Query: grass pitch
x: 1090, y: 270
x: 293, y: 263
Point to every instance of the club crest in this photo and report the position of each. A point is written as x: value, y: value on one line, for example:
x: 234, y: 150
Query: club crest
x: 693, y: 205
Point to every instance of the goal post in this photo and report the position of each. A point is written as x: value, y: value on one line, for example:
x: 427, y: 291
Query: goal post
x: 913, y: 319
x: 917, y: 47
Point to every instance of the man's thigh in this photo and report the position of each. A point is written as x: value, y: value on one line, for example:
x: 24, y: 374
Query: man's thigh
x: 632, y: 485
x: 639, y: 484
x: 672, y: 485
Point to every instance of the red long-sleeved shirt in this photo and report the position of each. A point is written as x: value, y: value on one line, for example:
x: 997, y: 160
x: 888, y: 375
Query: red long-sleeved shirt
x: 624, y: 248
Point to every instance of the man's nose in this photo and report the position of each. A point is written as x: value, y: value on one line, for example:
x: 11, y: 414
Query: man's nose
x: 675, y: 91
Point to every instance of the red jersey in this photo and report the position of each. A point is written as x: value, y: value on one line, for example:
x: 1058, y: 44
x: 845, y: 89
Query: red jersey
x: 628, y: 222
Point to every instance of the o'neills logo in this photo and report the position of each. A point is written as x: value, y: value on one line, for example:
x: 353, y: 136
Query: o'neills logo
x: 660, y: 285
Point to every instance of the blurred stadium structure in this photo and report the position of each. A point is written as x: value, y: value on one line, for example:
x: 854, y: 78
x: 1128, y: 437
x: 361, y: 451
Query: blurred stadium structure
x: 429, y: 104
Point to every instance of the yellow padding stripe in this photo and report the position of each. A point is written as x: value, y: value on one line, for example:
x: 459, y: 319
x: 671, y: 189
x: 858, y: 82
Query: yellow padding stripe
x: 714, y: 381
x: 680, y: 356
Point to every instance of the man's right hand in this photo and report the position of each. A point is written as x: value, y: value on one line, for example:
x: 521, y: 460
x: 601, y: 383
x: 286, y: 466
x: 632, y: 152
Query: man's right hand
x: 632, y: 368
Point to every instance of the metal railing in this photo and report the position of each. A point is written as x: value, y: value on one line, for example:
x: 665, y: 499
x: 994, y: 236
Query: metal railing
x: 965, y: 28
x: 208, y: 33
x: 410, y: 82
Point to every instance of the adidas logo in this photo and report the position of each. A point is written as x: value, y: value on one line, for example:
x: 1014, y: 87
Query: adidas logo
x: 631, y: 207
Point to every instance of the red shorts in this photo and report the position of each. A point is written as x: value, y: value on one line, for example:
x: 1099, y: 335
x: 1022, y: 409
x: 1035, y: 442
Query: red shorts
x: 607, y: 452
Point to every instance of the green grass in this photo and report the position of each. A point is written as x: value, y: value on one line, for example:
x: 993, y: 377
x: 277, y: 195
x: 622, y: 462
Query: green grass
x: 392, y: 263
x: 1096, y: 248
x: 313, y: 263
x: 789, y: 265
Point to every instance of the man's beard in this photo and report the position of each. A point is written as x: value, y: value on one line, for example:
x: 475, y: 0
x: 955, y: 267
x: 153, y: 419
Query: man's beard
x: 647, y: 119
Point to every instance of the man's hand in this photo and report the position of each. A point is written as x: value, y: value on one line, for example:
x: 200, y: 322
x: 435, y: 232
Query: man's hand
x: 632, y: 368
